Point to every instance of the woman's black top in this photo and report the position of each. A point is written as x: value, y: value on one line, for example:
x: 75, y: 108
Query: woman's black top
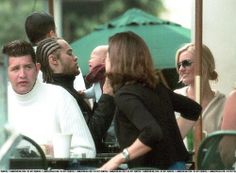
x: 148, y: 115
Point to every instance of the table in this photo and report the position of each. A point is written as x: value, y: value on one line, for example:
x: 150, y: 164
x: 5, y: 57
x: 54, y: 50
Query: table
x: 58, y: 163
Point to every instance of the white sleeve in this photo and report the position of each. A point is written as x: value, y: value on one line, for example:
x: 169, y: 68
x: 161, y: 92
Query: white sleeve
x: 72, y: 121
x: 90, y: 92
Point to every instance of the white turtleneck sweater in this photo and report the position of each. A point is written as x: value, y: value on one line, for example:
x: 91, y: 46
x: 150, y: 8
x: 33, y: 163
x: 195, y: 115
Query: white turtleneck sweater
x: 49, y: 109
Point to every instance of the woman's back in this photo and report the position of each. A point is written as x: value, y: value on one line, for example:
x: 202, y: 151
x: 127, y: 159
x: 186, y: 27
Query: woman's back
x: 158, y: 106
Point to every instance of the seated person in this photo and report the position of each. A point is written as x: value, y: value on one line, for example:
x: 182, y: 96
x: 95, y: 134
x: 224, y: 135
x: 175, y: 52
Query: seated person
x: 228, y: 143
x: 59, y: 66
x: 212, y: 100
x: 40, y: 110
x: 145, y: 123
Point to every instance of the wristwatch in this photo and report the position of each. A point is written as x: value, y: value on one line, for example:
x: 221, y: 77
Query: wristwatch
x: 125, y: 155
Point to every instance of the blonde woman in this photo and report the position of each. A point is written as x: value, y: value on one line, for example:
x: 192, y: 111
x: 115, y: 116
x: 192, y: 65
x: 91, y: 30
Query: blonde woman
x: 212, y: 100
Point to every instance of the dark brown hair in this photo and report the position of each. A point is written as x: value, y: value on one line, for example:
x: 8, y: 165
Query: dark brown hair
x: 131, y: 61
x: 37, y: 25
x: 19, y: 48
x: 46, y: 47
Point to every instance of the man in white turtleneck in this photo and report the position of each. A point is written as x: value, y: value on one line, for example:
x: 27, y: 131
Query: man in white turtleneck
x: 40, y: 110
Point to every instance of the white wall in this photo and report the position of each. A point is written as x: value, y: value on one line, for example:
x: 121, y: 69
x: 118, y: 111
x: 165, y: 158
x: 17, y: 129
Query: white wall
x: 219, y: 27
x: 57, y: 7
x: 219, y: 33
x: 178, y: 11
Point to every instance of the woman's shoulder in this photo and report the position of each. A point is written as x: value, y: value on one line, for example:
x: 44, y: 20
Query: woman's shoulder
x: 219, y: 96
x: 232, y: 96
x: 141, y: 90
x: 233, y: 93
x: 133, y: 89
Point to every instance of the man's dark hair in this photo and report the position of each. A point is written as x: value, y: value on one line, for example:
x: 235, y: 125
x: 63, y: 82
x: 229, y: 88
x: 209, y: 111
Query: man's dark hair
x: 19, y: 48
x: 37, y: 25
x: 46, y: 47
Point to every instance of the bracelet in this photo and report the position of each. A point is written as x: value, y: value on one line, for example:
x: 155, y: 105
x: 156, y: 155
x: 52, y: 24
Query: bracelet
x: 125, y: 155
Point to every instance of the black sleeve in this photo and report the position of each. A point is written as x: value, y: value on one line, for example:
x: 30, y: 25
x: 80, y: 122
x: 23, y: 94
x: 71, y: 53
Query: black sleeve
x: 187, y: 107
x: 101, y: 119
x: 137, y: 113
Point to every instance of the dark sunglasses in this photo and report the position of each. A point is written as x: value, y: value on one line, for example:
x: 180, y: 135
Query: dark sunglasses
x: 184, y: 63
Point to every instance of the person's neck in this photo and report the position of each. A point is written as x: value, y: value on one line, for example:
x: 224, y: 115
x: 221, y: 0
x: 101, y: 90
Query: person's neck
x: 190, y: 92
x: 206, y: 96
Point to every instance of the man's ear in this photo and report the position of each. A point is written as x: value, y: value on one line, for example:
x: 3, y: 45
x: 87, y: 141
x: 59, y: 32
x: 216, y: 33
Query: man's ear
x: 52, y: 59
x: 38, y: 66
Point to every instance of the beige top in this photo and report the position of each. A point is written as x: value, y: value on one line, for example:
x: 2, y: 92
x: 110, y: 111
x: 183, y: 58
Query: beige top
x: 212, y: 114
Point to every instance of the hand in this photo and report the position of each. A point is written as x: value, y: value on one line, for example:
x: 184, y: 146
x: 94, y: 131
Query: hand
x: 47, y: 149
x: 112, y: 164
x: 81, y: 92
x: 107, y: 89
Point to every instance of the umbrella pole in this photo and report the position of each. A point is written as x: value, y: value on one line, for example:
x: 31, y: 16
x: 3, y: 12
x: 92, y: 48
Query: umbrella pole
x: 198, y: 74
x: 50, y: 7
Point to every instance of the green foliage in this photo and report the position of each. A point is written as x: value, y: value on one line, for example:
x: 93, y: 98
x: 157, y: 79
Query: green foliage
x: 12, y: 18
x: 84, y: 17
x: 80, y: 17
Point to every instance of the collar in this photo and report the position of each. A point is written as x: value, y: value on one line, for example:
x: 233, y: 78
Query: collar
x: 28, y: 97
x: 63, y: 79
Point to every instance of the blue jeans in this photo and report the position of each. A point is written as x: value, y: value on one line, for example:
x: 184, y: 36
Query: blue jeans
x: 178, y: 166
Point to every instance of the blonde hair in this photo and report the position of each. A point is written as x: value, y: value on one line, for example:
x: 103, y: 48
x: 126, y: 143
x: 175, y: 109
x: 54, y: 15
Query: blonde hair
x: 208, y: 62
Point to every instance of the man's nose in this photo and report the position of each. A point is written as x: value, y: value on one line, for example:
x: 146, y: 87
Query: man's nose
x: 22, y: 73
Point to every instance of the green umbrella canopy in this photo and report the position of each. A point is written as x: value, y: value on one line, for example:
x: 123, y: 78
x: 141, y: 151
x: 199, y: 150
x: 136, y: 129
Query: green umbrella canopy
x: 162, y: 37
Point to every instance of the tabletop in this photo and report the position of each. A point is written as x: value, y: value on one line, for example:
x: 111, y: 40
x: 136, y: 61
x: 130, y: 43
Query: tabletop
x: 58, y: 163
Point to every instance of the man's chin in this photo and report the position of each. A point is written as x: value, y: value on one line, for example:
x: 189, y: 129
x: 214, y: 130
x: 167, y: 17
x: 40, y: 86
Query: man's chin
x: 22, y: 91
x: 77, y: 73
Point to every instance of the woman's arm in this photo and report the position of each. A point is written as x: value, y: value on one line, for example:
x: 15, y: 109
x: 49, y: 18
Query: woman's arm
x: 229, y: 112
x: 188, y: 108
x: 135, y: 150
x: 185, y: 125
x: 150, y: 131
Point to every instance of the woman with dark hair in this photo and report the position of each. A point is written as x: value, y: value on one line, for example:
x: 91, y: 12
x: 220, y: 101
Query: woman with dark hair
x: 145, y: 122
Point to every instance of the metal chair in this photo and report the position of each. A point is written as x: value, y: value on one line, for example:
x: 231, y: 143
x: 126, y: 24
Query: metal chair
x: 218, y: 151
x: 32, y: 152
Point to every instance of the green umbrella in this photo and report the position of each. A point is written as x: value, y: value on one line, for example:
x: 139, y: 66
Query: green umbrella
x: 162, y: 37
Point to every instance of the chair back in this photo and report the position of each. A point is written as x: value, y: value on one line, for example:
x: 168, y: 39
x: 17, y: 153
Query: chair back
x: 28, y: 149
x: 218, y: 151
